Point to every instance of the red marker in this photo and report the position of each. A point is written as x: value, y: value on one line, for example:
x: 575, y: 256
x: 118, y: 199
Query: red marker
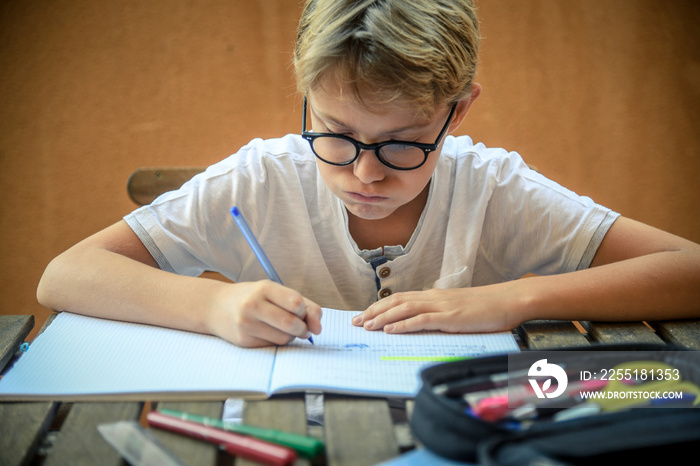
x: 235, y: 444
x: 492, y: 409
x: 495, y: 408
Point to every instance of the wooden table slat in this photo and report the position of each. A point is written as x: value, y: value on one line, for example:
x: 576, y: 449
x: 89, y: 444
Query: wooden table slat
x: 684, y: 333
x: 621, y: 333
x: 551, y: 334
x: 358, y: 432
x: 287, y: 414
x: 79, y: 442
x: 193, y: 451
x: 22, y: 426
x: 49, y: 320
x: 13, y: 331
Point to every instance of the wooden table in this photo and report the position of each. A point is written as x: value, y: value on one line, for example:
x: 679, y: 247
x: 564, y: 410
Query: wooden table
x: 356, y: 431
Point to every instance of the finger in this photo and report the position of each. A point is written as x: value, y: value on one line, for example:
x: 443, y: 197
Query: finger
x: 261, y: 326
x: 313, y: 316
x: 395, y: 314
x: 260, y: 334
x: 286, y: 298
x: 299, y: 316
x: 287, y: 322
x: 377, y: 309
x: 414, y: 324
x: 308, y: 312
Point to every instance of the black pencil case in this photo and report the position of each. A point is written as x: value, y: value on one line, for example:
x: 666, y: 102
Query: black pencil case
x: 441, y: 423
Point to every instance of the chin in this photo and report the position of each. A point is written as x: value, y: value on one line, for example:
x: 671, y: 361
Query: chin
x: 369, y: 212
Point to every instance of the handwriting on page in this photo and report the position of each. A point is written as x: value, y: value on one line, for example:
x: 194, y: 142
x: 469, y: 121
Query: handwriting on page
x: 417, y: 349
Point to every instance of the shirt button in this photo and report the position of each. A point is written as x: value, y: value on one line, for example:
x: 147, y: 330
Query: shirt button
x: 385, y: 272
x: 385, y: 292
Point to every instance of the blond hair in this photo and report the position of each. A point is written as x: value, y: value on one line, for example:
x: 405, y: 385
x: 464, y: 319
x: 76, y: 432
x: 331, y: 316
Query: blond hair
x: 420, y: 51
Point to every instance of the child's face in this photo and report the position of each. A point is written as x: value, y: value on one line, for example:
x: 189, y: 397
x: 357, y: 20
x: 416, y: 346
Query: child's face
x: 368, y: 188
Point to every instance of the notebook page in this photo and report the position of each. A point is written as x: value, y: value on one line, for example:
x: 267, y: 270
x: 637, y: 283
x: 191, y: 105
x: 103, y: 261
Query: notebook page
x: 79, y: 356
x: 348, y: 359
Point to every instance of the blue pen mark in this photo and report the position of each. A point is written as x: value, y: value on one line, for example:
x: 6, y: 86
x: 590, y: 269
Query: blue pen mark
x: 356, y: 346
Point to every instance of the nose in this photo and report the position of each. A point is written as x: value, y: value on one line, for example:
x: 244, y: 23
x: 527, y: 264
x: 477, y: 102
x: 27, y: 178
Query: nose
x: 367, y: 168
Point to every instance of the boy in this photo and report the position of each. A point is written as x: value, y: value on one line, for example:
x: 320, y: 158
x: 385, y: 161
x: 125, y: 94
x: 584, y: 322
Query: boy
x: 375, y: 208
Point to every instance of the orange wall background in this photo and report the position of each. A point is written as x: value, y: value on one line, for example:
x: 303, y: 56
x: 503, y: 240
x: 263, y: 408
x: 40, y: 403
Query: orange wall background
x: 602, y: 96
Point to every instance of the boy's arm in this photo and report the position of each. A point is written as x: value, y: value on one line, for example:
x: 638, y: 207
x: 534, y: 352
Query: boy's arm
x: 112, y: 275
x: 638, y: 273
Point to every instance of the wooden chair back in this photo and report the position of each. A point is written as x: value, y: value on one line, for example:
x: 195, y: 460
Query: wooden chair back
x: 145, y: 184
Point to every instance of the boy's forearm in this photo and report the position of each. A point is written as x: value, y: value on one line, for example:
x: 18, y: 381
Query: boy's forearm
x: 102, y: 283
x: 657, y: 286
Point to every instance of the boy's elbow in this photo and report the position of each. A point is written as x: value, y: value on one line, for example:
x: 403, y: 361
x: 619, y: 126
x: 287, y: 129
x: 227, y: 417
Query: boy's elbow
x: 42, y: 293
x: 47, y: 289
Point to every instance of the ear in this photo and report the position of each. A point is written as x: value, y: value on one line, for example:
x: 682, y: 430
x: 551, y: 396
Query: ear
x: 463, y: 107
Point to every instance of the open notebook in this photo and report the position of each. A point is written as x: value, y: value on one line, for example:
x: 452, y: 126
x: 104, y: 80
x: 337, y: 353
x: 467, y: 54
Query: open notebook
x: 80, y: 357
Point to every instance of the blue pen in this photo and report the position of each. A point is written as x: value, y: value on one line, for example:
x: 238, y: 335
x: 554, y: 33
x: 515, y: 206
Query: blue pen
x: 257, y: 249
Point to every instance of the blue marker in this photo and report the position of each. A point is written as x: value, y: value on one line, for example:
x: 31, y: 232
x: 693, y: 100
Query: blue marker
x: 257, y: 249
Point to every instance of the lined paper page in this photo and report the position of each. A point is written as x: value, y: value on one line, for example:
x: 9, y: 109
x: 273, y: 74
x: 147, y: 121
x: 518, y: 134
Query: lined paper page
x: 348, y: 359
x: 79, y: 356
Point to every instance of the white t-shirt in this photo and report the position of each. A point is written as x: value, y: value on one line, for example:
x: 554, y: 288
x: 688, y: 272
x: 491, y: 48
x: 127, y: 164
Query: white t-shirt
x: 488, y: 219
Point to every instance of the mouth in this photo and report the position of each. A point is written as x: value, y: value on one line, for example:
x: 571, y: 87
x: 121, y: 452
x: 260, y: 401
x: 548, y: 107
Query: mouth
x: 366, y: 198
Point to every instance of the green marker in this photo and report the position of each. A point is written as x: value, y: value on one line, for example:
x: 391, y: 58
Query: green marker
x: 308, y: 447
x: 425, y: 358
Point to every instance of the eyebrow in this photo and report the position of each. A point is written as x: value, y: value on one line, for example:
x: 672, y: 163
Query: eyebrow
x: 339, y: 123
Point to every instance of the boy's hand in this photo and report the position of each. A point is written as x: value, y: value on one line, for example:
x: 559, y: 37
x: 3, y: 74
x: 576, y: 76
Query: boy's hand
x: 264, y: 313
x: 464, y: 310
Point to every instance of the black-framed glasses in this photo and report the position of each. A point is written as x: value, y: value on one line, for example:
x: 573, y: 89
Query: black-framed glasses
x: 337, y: 149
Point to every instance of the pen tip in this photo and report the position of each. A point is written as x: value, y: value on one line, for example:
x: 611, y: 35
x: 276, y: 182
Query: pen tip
x: 311, y: 339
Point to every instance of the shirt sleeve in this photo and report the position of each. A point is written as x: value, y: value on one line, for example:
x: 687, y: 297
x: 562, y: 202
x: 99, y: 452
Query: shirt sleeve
x: 534, y: 225
x: 190, y: 230
x: 182, y: 228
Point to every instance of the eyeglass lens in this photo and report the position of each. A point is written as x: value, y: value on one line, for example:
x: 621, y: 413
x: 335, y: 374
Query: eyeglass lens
x: 340, y: 151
